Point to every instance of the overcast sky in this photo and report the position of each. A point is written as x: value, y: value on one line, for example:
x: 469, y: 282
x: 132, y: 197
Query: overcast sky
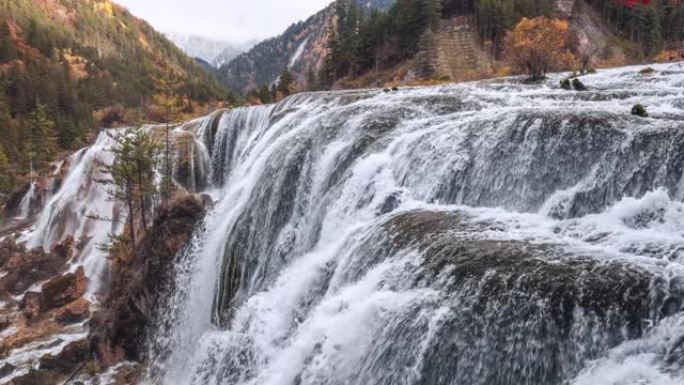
x: 230, y: 20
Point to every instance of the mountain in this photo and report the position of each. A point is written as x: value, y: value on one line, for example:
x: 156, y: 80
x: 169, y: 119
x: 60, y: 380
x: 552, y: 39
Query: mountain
x: 416, y: 40
x: 214, y: 52
x: 300, y: 48
x: 61, y: 61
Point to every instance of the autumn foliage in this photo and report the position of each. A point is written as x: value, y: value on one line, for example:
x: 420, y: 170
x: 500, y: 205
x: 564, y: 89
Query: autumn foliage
x: 536, y: 46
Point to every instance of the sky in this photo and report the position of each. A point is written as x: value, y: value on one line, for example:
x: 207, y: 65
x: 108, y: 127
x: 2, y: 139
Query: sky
x: 236, y: 21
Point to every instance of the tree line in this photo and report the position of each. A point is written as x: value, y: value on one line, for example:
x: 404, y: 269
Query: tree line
x: 360, y: 40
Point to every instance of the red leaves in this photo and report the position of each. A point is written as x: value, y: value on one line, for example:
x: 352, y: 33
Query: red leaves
x: 632, y: 3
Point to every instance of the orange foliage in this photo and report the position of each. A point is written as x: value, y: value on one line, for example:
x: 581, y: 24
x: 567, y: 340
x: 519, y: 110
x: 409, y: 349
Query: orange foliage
x: 670, y: 55
x: 539, y: 45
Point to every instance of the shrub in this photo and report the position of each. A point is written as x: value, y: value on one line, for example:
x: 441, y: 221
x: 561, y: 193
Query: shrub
x: 647, y: 71
x: 639, y: 110
x: 539, y: 44
x: 565, y: 84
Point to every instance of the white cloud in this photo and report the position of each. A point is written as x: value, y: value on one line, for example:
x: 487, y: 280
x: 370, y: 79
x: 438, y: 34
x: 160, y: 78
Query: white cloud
x: 230, y: 20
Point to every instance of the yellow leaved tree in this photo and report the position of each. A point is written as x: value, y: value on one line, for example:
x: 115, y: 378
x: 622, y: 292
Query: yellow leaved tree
x: 536, y: 46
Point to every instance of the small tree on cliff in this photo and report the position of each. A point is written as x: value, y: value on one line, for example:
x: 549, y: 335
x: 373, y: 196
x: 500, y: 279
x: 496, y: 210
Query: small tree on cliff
x: 130, y: 177
x: 168, y: 99
x: 539, y: 45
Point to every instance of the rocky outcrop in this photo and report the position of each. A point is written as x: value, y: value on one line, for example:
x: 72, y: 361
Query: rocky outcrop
x: 459, y: 53
x: 65, y: 289
x: 70, y: 358
x: 118, y: 330
x: 24, y: 268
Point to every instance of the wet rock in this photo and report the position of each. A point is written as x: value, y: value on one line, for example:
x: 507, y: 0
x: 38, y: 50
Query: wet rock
x: 26, y: 267
x: 11, y: 207
x: 62, y: 290
x: 73, y: 355
x: 74, y: 312
x: 32, y: 305
x: 4, y: 323
x: 6, y: 370
x: 514, y: 301
x: 65, y: 250
x: 118, y: 329
x: 38, y: 377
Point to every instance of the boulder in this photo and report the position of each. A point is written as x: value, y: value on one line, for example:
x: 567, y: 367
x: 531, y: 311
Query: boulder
x: 32, y: 305
x: 6, y: 370
x: 26, y: 267
x: 77, y: 311
x: 65, y: 250
x: 37, y: 377
x: 73, y: 355
x: 62, y: 290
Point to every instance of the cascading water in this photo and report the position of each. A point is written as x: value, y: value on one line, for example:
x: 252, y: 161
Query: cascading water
x: 484, y: 233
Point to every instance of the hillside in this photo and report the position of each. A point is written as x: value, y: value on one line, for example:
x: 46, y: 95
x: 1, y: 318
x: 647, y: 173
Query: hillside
x: 69, y: 65
x: 349, y: 46
x: 301, y: 48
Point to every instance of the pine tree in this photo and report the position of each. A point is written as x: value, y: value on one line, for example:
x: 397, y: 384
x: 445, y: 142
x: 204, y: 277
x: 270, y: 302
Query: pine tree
x: 264, y: 94
x: 285, y: 82
x: 8, y: 51
x: 426, y: 58
x: 311, y: 80
x: 6, y: 182
x: 170, y: 102
x: 130, y: 177
x: 39, y: 125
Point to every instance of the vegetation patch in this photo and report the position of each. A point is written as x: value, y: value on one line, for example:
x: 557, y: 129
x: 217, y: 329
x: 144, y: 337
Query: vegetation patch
x: 639, y: 110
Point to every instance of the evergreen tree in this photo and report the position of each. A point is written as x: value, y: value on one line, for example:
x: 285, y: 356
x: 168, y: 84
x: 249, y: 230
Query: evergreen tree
x: 8, y: 51
x: 426, y: 58
x: 38, y: 145
x: 285, y: 82
x: 130, y: 177
x: 170, y: 102
x: 6, y: 182
x: 311, y: 80
x: 264, y: 94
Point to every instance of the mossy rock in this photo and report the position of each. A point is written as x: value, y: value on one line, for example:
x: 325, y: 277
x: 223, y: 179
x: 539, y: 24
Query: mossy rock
x: 578, y: 85
x: 565, y: 84
x: 647, y: 71
x: 639, y: 110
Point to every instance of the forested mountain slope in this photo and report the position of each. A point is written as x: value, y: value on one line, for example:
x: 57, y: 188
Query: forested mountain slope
x: 301, y: 49
x: 63, y: 60
x: 351, y: 45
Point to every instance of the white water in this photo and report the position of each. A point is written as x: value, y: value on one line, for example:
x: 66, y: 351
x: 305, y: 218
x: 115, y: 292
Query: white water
x: 294, y: 277
x: 302, y: 188
x: 25, y: 204
x: 298, y: 53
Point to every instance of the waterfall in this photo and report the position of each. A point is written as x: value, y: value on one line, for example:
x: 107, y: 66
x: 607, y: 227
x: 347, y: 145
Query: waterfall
x: 25, y: 204
x: 483, y: 233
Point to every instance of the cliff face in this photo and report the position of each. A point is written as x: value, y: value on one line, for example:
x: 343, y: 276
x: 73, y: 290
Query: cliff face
x: 118, y: 329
